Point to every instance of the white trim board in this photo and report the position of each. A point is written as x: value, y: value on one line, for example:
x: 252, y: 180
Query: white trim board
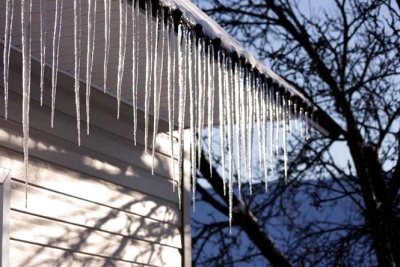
x: 5, y: 195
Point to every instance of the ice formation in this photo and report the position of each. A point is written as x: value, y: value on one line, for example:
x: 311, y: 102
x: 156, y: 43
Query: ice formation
x: 256, y: 109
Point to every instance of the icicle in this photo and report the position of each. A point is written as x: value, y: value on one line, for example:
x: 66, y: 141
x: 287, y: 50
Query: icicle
x: 229, y: 114
x: 182, y: 98
x: 289, y: 116
x: 306, y: 126
x: 258, y: 117
x: 77, y: 63
x: 301, y: 122
x: 107, y: 18
x: 264, y: 148
x: 211, y: 84
x: 202, y: 61
x: 271, y: 128
x: 122, y: 50
x: 221, y: 59
x: 192, y: 120
x: 250, y: 126
x: 284, y: 136
x: 171, y: 97
x: 43, y: 34
x: 278, y: 122
x: 26, y: 8
x: 243, y: 109
x: 89, y: 58
x: 56, y: 50
x: 157, y: 89
x: 236, y: 78
x: 149, y: 50
x: 295, y: 115
x: 6, y: 51
x: 135, y: 64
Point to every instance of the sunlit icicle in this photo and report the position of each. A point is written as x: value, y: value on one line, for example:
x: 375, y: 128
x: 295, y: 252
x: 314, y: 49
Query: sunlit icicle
x: 221, y: 59
x: 236, y: 78
x: 149, y: 51
x: 155, y: 84
x: 182, y: 102
x: 171, y: 97
x: 211, y: 85
x: 6, y: 51
x: 278, y: 122
x: 56, y: 50
x: 77, y: 64
x: 271, y: 128
x: 201, y: 96
x: 243, y: 112
x: 135, y: 64
x: 157, y: 92
x: 306, y: 126
x: 107, y: 18
x: 122, y: 50
x: 289, y: 116
x: 192, y: 120
x: 250, y: 126
x: 229, y: 115
x: 284, y: 136
x: 89, y: 57
x: 43, y: 35
x: 301, y: 121
x: 258, y: 118
x: 264, y: 132
x: 26, y: 8
x: 295, y: 116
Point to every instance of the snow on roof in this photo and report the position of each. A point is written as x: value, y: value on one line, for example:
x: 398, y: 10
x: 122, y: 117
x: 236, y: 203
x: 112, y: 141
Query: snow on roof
x: 193, y: 15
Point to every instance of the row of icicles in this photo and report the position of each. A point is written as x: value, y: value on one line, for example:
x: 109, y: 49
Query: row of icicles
x: 249, y: 107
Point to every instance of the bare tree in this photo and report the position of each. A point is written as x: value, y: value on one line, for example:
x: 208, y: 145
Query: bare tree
x: 345, y: 56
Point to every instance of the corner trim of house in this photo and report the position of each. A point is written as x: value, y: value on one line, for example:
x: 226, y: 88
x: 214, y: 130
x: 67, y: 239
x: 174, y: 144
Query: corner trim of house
x: 5, y: 196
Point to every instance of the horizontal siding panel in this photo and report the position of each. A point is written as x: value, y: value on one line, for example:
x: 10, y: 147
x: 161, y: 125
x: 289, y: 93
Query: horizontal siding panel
x: 85, y: 161
x: 104, y: 142
x: 32, y: 255
x: 86, y: 240
x: 88, y: 214
x: 76, y: 184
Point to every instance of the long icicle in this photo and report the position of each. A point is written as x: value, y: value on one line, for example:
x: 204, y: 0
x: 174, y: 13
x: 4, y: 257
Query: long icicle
x: 6, y: 51
x: 157, y: 93
x: 238, y: 119
x: 43, y: 35
x: 271, y: 128
x: 56, y: 51
x: 229, y: 114
x: 264, y: 148
x: 221, y: 59
x: 182, y: 98
x: 155, y: 85
x: 284, y: 136
x: 192, y: 121
x: 135, y: 60
x: 26, y: 8
x: 243, y: 107
x: 171, y: 97
x: 258, y: 118
x: 250, y: 128
x: 77, y: 63
x: 211, y: 89
x: 149, y: 50
x: 202, y: 61
x: 107, y: 18
x: 137, y: 64
x: 122, y: 50
x: 89, y: 58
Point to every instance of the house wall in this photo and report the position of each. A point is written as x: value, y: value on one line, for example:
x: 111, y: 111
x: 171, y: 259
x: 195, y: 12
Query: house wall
x: 97, y: 204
